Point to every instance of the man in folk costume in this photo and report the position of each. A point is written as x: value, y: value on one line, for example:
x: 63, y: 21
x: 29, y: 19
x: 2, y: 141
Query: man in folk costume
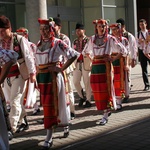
x: 80, y: 71
x: 120, y: 66
x: 14, y: 84
x: 30, y: 95
x: 68, y: 72
x: 133, y: 50
x: 50, y: 78
x: 99, y: 48
x: 7, y: 59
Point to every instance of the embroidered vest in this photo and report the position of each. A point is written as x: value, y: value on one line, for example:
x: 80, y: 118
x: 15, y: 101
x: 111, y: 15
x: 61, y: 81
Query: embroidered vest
x: 79, y: 47
x: 14, y: 71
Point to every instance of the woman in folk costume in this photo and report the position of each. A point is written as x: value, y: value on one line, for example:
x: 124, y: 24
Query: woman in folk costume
x: 120, y: 66
x: 30, y: 95
x: 99, y: 48
x: 50, y: 78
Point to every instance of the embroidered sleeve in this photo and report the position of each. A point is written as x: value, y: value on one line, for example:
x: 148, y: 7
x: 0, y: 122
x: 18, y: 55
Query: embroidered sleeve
x: 133, y: 47
x: 67, y: 51
x: 30, y: 62
x: 114, y: 44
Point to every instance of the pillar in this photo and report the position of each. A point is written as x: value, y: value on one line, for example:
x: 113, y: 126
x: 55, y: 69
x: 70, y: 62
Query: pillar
x: 35, y: 9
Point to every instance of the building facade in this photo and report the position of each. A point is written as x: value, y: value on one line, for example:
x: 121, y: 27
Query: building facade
x: 26, y: 12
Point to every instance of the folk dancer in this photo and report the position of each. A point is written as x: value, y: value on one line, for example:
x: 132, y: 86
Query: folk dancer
x: 50, y: 78
x: 80, y: 70
x: 120, y: 66
x: 133, y: 50
x: 14, y: 84
x: 99, y: 48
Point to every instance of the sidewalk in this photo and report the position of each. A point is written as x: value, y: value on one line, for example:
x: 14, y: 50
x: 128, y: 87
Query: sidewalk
x: 126, y: 129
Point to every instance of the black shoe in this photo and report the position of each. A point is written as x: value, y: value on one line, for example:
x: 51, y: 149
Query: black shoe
x: 50, y: 144
x: 41, y: 121
x: 81, y: 101
x: 119, y: 106
x: 125, y: 100
x: 72, y: 116
x: 22, y: 127
x: 109, y: 113
x: 8, y: 108
x: 66, y: 134
x: 87, y: 104
x: 146, y: 88
x: 36, y: 112
x: 10, y: 135
x: 66, y: 131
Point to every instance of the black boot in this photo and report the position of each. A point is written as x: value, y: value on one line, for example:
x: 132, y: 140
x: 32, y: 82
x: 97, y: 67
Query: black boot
x: 87, y: 104
x: 81, y: 101
x: 10, y: 135
x: 66, y: 131
x: 23, y: 126
x: 41, y: 121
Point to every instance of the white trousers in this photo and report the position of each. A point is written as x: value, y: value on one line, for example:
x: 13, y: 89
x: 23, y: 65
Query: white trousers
x: 127, y: 82
x: 78, y: 73
x: 15, y: 94
x: 71, y: 94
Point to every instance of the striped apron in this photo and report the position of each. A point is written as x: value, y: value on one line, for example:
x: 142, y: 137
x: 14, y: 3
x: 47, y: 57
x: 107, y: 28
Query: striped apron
x: 119, y: 77
x: 102, y: 83
x: 48, y: 95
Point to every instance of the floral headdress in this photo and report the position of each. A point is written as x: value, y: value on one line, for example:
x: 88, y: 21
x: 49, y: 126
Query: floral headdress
x: 117, y: 25
x: 23, y: 31
x: 49, y: 22
x: 104, y: 22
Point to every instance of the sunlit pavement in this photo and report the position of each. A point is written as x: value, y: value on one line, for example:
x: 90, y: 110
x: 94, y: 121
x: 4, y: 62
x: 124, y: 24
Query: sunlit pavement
x: 127, y: 129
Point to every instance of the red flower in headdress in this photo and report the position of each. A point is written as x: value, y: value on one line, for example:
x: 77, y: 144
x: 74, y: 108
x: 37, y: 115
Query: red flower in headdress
x: 100, y: 21
x: 43, y: 21
x: 117, y: 25
x: 22, y: 31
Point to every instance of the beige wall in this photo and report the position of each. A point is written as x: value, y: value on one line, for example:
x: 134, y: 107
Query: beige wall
x: 113, y: 9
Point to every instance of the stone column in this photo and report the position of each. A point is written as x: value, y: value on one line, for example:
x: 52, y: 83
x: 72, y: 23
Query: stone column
x: 35, y: 9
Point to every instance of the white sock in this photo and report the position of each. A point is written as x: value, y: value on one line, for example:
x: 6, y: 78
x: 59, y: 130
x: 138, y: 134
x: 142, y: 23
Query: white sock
x: 48, y: 137
x: 36, y: 106
x: 119, y: 101
x: 106, y: 113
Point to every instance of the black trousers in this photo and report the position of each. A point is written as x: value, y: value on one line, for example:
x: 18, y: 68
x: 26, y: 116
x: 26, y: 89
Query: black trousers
x: 144, y: 61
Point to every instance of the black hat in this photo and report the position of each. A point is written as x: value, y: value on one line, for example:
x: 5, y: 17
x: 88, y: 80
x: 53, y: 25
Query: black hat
x: 121, y: 21
x: 79, y: 26
x: 57, y: 21
x: 4, y: 22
